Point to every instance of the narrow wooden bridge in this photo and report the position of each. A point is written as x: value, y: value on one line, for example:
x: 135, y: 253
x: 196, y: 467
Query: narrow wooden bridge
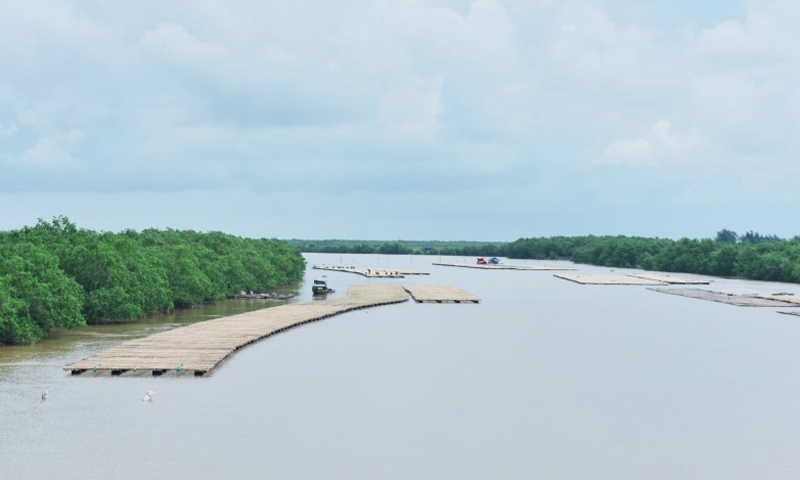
x: 198, y: 348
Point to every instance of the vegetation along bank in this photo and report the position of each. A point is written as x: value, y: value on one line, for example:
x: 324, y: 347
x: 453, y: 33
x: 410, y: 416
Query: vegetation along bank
x: 55, y: 275
x: 752, y: 255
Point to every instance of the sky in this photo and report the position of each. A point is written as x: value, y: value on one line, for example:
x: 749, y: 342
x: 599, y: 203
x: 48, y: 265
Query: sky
x: 404, y: 119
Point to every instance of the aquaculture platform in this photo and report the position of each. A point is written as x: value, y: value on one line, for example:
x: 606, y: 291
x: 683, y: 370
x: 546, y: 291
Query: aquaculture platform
x: 728, y: 298
x: 440, y: 294
x: 782, y: 297
x: 501, y: 266
x: 199, y: 348
x: 606, y: 279
x: 670, y: 279
x: 373, y: 272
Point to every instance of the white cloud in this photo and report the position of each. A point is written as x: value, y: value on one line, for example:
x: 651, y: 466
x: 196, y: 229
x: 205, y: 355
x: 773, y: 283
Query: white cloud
x: 53, y: 151
x: 657, y: 148
x: 9, y: 129
x: 414, y: 109
x: 173, y: 41
x: 335, y: 96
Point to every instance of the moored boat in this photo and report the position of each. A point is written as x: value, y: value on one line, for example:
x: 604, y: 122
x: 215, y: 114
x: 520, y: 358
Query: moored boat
x: 320, y: 287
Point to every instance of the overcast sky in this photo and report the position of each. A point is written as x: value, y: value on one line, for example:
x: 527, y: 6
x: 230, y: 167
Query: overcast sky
x: 402, y: 119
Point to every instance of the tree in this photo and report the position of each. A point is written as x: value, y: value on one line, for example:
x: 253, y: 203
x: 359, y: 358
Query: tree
x: 16, y: 324
x: 37, y: 295
x: 727, y: 236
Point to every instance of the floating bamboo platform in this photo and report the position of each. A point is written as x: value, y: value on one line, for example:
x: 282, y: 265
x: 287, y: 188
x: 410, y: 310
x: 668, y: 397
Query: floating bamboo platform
x: 667, y: 278
x: 727, y: 298
x: 198, y: 348
x: 502, y: 266
x: 606, y: 279
x: 797, y: 314
x: 440, y: 294
x: 373, y: 272
x: 782, y: 297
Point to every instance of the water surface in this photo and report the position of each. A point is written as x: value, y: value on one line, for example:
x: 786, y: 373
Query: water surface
x: 543, y: 379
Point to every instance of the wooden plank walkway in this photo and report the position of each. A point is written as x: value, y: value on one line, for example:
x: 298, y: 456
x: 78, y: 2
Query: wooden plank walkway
x: 502, y: 266
x: 782, y: 297
x: 728, y: 298
x: 373, y: 272
x: 440, y: 294
x: 670, y: 279
x: 606, y: 279
x: 198, y: 348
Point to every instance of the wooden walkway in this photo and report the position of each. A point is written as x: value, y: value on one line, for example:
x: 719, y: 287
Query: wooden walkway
x: 728, y: 298
x: 782, y: 297
x: 606, y: 279
x: 670, y: 279
x: 198, y: 348
x: 502, y: 266
x: 373, y: 272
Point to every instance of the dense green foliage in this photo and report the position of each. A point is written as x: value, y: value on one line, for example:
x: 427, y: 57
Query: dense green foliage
x: 55, y: 275
x: 400, y: 247
x: 751, y: 256
x: 35, y: 294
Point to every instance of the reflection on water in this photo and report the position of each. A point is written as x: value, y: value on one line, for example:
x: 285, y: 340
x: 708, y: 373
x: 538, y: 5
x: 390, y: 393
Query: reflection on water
x: 543, y: 379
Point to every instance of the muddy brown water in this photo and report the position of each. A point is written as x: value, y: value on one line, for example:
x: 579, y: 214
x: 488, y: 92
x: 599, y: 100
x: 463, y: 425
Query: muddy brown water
x: 543, y: 379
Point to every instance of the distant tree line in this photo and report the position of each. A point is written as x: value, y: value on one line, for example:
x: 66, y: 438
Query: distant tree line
x: 55, y: 275
x: 400, y: 247
x: 751, y: 255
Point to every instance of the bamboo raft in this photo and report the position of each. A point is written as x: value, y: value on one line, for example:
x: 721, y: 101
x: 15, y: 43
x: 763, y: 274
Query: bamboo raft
x: 782, y: 297
x: 502, y: 266
x: 667, y: 278
x: 752, y: 300
x: 199, y: 348
x: 440, y: 294
x: 607, y: 279
x: 373, y: 272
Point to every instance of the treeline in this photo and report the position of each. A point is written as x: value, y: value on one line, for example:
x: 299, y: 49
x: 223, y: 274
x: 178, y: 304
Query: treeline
x: 750, y: 256
x: 400, y: 247
x: 55, y: 275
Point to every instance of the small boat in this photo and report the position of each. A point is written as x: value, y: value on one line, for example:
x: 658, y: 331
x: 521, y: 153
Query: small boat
x: 320, y: 287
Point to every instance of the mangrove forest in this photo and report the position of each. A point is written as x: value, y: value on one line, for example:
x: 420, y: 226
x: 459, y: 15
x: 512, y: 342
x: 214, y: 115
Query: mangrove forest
x: 751, y: 255
x: 56, y: 275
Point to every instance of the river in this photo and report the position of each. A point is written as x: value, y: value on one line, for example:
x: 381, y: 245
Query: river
x: 544, y: 378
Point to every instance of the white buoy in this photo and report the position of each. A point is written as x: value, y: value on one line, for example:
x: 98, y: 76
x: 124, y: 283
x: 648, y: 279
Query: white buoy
x: 148, y: 396
x: 45, y: 395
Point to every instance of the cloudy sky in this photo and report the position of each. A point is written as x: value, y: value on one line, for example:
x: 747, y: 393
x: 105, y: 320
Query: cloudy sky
x: 402, y: 119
